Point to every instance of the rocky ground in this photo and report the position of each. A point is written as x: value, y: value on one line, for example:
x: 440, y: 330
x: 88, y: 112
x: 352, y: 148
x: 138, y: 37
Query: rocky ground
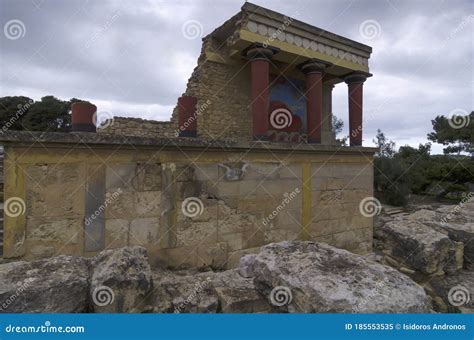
x: 422, y: 263
x: 434, y: 246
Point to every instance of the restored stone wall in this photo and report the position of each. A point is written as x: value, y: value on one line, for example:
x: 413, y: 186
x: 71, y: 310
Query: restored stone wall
x: 222, y: 87
x: 188, y: 207
x: 139, y: 127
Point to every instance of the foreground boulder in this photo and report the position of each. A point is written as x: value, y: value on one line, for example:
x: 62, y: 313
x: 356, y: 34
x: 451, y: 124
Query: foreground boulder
x: 457, y: 222
x: 421, y: 247
x: 184, y: 292
x: 121, y: 281
x: 208, y: 292
x: 454, y: 293
x: 238, y: 294
x: 311, y: 277
x: 55, y: 285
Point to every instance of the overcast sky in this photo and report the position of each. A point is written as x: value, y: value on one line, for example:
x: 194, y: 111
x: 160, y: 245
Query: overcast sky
x: 132, y: 58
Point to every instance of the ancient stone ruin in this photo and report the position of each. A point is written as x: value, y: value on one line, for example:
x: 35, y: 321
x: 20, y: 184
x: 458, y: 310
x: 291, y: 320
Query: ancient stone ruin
x: 244, y: 191
x: 248, y: 158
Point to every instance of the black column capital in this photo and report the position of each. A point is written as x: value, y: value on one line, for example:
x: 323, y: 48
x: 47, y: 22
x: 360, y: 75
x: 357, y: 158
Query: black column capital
x: 314, y: 65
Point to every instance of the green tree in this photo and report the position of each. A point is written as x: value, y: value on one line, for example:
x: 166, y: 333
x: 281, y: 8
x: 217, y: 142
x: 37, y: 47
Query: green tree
x: 337, y: 125
x: 48, y: 114
x: 457, y: 133
x: 386, y: 146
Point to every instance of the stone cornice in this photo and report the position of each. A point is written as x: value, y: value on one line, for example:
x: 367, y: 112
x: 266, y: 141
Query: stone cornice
x: 312, y: 42
x: 84, y: 140
x: 259, y: 14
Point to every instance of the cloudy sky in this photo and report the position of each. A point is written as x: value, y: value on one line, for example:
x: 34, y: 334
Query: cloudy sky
x: 131, y: 58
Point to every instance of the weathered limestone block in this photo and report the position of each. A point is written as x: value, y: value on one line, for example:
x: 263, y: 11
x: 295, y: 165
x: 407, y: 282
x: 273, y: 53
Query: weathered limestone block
x: 121, y: 281
x: 120, y: 176
x: 456, y: 291
x: 313, y: 277
x: 463, y: 233
x: 55, y: 285
x: 184, y: 292
x: 420, y: 247
x: 148, y: 203
x: 53, y: 230
x: 144, y: 231
x: 116, y: 233
x: 238, y: 294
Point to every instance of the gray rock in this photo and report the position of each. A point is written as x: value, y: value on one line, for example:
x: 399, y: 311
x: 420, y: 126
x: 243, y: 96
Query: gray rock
x: 456, y: 291
x: 238, y: 294
x: 421, y: 247
x: 55, y: 285
x: 455, y: 221
x: 184, y: 292
x: 121, y: 281
x: 463, y: 233
x: 311, y: 277
x: 245, y: 268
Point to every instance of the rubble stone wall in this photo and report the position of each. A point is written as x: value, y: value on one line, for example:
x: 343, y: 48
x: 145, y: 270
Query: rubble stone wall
x: 189, y: 209
x: 138, y: 127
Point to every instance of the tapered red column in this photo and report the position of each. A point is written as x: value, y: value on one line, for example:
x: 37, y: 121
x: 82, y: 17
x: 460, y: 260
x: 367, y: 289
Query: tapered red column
x: 259, y: 65
x: 355, y: 84
x: 314, y: 71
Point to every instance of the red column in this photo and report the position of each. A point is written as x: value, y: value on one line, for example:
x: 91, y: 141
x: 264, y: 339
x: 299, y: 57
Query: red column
x: 83, y: 117
x: 187, y: 117
x: 355, y: 84
x: 259, y: 65
x: 314, y: 70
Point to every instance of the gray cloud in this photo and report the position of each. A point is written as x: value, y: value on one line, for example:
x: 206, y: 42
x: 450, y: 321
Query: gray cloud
x: 132, y: 59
